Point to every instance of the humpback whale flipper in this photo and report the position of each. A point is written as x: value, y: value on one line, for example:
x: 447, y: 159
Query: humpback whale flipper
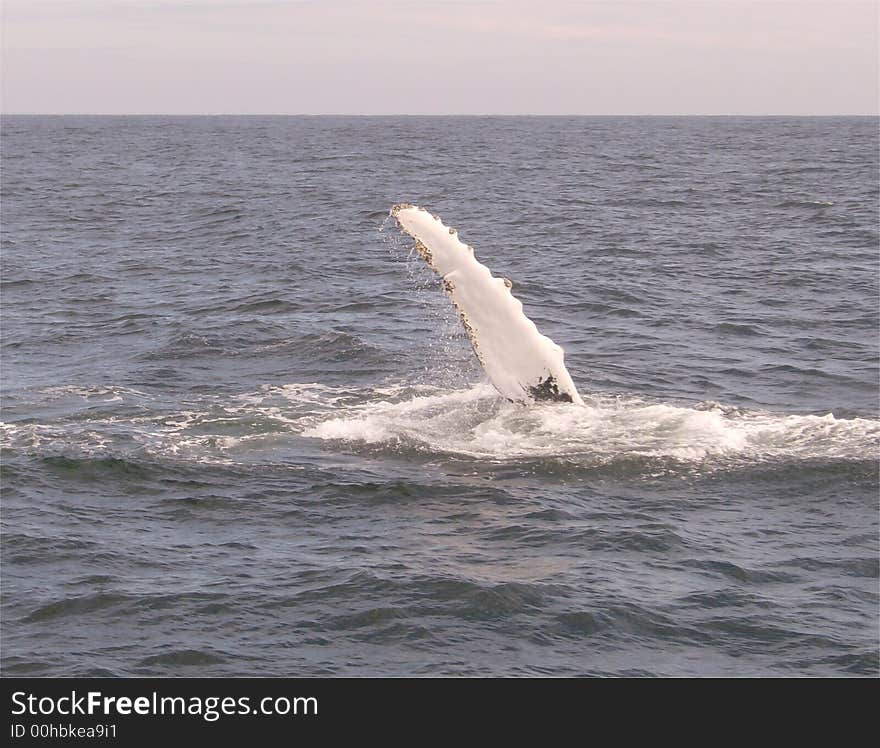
x: 523, y: 364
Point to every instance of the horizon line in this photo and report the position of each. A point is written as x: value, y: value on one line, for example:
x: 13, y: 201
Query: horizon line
x: 406, y: 114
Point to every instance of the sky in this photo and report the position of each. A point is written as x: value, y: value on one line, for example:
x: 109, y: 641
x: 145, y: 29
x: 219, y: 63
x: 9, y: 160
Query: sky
x: 439, y: 57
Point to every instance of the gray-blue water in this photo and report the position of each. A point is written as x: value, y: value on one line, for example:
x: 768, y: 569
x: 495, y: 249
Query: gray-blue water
x: 244, y: 434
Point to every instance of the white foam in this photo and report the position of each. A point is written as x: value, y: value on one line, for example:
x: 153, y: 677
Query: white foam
x: 469, y: 423
x: 476, y: 423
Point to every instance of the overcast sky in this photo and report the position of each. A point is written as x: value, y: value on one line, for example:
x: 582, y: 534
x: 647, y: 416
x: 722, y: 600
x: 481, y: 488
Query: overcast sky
x: 440, y: 57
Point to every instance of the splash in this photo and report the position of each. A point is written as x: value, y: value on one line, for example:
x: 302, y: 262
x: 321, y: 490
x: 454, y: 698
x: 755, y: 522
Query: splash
x: 269, y: 425
x: 476, y: 423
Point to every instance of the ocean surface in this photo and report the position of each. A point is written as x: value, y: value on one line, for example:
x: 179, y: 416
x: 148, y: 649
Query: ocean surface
x: 244, y: 433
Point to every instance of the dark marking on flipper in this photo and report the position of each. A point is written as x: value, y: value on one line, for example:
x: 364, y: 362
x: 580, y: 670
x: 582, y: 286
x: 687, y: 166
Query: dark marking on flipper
x: 548, y: 389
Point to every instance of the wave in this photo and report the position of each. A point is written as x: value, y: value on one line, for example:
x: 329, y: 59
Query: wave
x: 805, y: 204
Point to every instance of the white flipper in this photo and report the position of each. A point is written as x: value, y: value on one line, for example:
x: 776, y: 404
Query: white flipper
x: 522, y: 364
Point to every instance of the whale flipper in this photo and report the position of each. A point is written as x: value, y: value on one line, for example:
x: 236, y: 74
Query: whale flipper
x: 521, y: 363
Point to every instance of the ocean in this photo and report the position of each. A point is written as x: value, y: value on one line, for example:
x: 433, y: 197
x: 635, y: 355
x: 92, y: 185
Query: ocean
x: 244, y: 432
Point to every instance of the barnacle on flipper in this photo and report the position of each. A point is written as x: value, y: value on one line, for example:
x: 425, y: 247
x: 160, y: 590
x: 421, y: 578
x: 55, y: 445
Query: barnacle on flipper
x: 449, y: 287
x: 471, y: 333
x: 395, y: 209
x: 420, y: 246
x: 508, y: 282
x: 424, y: 253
